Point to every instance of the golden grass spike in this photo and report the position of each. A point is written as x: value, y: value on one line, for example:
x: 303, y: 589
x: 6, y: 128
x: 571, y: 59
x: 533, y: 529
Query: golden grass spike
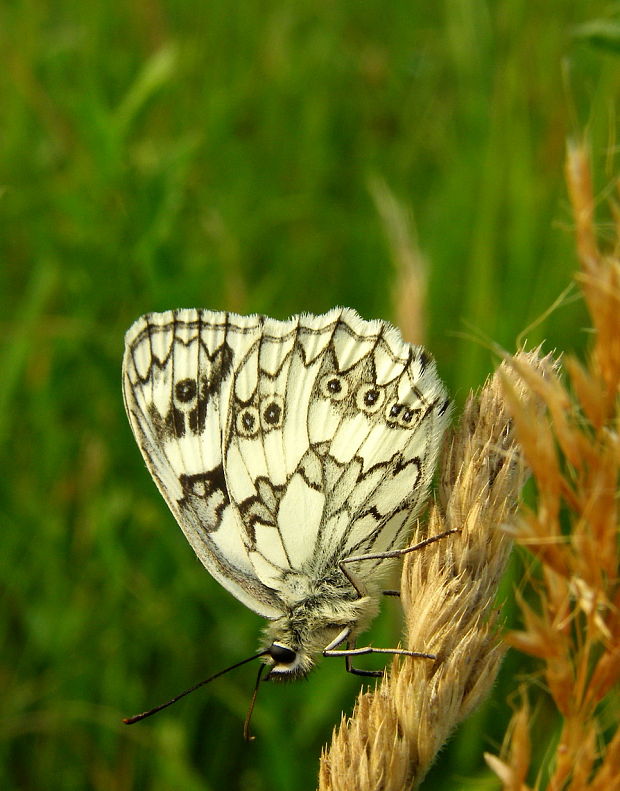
x: 571, y: 622
x: 448, y: 594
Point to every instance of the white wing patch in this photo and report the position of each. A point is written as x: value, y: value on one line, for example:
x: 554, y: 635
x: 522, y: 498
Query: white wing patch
x: 283, y: 447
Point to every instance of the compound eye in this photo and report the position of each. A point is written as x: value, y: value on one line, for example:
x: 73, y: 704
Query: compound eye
x: 334, y: 386
x: 281, y: 654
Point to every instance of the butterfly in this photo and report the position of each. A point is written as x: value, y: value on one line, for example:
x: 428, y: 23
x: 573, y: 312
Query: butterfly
x: 294, y: 455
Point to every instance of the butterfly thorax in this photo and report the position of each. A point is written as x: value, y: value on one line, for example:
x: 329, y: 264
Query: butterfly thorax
x: 297, y: 639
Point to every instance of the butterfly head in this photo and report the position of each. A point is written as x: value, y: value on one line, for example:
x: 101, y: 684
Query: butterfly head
x: 291, y: 649
x: 290, y: 659
x: 286, y: 663
x: 295, y: 641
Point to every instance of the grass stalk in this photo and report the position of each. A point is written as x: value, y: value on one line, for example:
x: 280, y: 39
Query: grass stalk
x: 448, y: 593
x: 571, y: 612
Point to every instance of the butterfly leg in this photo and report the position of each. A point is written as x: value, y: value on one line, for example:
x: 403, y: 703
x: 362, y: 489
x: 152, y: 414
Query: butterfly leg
x: 356, y: 670
x: 348, y: 652
x: 394, y: 553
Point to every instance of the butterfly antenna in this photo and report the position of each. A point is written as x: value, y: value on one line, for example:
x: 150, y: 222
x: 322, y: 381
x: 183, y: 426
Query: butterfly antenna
x: 246, y: 725
x: 150, y: 712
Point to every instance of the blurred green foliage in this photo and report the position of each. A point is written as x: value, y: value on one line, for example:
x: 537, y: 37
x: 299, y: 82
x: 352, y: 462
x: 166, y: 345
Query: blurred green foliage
x: 169, y: 154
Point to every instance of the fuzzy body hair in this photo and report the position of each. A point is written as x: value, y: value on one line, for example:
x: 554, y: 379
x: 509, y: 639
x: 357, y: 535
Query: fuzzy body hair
x: 314, y: 622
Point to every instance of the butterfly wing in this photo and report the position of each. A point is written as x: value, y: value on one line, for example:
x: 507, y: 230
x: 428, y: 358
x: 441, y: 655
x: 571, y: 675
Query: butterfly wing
x: 283, y: 447
x: 177, y: 383
x: 384, y: 427
x: 335, y: 428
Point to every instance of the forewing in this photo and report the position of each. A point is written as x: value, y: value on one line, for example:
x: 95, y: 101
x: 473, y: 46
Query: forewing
x: 178, y: 373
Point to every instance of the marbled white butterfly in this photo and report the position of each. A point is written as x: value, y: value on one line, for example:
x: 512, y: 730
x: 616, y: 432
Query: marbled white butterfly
x: 294, y: 455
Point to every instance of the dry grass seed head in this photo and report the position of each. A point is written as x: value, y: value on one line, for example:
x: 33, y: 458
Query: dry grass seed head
x: 447, y: 592
x: 573, y: 621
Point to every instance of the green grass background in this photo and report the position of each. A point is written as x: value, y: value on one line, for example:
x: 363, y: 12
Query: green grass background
x: 159, y: 154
